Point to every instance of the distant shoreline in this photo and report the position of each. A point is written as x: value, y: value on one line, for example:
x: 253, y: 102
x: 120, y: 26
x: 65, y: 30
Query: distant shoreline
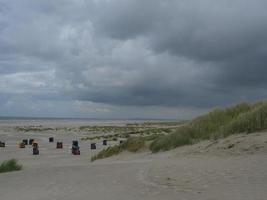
x: 6, y: 118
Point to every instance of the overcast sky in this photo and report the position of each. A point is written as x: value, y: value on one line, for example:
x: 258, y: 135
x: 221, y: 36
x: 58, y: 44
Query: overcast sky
x: 130, y: 58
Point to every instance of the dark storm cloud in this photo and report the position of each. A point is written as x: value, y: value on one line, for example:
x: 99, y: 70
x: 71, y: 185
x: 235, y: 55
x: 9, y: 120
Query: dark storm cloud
x: 135, y: 53
x: 127, y: 19
x: 229, y: 35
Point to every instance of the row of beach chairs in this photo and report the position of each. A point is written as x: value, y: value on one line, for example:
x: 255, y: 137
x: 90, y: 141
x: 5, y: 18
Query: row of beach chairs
x: 75, y: 150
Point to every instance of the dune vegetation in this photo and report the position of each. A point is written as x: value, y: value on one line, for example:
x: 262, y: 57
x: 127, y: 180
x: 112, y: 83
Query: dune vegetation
x: 242, y: 118
x: 220, y: 123
x: 132, y: 144
x: 127, y: 134
x: 10, y: 165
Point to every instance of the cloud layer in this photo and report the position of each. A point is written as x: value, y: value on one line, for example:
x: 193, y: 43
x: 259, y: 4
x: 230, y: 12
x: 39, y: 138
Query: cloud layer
x: 145, y: 57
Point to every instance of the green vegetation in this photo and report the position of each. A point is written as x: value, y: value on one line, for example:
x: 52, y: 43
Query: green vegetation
x: 157, y: 123
x: 249, y: 122
x: 142, y: 132
x: 106, y: 137
x: 220, y: 123
x: 10, y: 165
x: 109, y: 129
x: 110, y: 151
x: 132, y: 144
x: 33, y: 128
x: 242, y: 118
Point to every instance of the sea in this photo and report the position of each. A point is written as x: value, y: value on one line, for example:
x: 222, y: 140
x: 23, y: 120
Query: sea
x: 72, y: 121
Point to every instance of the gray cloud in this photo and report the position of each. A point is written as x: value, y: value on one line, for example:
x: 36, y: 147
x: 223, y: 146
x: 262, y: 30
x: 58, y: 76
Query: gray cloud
x: 161, y: 53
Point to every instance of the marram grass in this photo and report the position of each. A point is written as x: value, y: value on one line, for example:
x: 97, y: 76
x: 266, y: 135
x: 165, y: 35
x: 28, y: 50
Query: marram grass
x: 220, y: 123
x: 132, y: 144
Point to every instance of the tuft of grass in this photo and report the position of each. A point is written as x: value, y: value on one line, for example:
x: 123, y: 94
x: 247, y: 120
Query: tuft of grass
x: 10, y: 165
x: 219, y: 123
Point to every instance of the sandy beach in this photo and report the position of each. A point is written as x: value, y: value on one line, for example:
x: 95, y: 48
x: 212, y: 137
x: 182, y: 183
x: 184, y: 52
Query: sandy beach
x: 231, y: 168
x: 151, y: 100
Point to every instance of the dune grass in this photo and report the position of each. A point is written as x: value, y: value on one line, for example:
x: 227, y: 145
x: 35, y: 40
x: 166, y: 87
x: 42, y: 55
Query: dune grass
x: 249, y: 122
x: 141, y: 132
x: 242, y: 118
x: 132, y: 144
x: 110, y: 151
x: 220, y: 123
x: 10, y: 165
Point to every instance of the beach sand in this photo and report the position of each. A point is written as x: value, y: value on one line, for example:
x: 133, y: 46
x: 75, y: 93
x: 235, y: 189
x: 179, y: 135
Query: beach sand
x: 233, y: 168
